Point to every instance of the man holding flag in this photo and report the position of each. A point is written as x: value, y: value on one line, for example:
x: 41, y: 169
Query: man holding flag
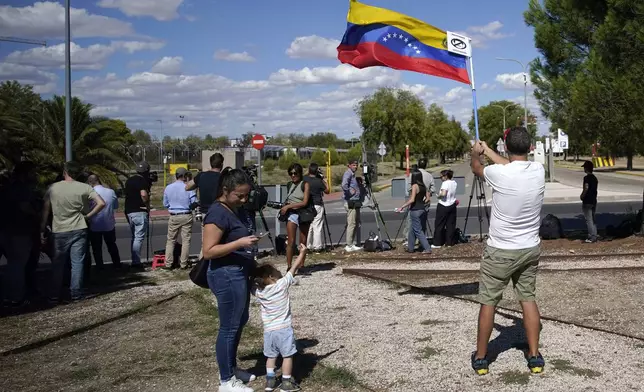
x: 380, y: 37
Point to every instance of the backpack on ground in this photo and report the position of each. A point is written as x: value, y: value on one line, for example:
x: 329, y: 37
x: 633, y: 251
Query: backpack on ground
x: 551, y: 228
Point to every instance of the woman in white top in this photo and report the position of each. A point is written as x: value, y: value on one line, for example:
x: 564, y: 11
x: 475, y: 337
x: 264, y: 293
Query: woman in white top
x: 445, y: 223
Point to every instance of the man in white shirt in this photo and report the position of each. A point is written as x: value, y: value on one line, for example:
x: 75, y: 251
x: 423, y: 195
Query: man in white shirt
x: 513, y: 246
x: 102, y: 225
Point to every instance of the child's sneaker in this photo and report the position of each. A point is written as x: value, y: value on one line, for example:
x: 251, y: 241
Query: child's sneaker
x: 536, y: 364
x: 481, y: 366
x: 271, y: 383
x: 288, y: 385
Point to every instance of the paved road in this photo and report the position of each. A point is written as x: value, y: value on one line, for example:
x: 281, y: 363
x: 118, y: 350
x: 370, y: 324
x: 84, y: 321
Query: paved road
x: 607, y: 181
x: 570, y: 214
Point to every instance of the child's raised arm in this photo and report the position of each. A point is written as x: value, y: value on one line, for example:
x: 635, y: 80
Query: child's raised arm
x: 299, y: 262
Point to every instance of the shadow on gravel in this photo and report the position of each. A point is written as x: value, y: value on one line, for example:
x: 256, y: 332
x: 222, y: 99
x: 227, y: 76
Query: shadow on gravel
x: 96, y: 283
x: 458, y: 289
x: 304, y: 363
x: 510, y: 337
x: 316, y: 268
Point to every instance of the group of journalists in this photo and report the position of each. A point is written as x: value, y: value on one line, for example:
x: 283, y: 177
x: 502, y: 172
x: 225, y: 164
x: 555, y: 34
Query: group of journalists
x: 229, y: 243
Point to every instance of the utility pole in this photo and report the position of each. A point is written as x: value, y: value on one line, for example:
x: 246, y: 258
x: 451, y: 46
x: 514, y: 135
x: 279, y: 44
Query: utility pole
x: 68, y: 84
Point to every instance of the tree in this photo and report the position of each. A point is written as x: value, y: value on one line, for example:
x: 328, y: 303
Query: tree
x: 246, y: 140
x: 319, y: 157
x: 588, y: 79
x: 393, y: 116
x: 491, y: 121
x: 100, y: 147
x: 19, y: 109
x: 221, y: 142
x: 325, y: 139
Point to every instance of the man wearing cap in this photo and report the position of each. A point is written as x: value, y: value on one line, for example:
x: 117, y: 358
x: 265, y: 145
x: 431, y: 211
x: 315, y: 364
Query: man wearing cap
x: 589, y: 201
x: 137, y: 207
x: 178, y: 201
x: 351, y: 193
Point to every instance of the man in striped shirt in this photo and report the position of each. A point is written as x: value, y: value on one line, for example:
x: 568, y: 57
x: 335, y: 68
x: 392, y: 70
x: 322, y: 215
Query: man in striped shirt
x: 272, y: 292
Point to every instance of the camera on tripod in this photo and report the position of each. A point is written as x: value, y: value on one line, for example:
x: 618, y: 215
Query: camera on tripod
x: 368, y: 171
x: 258, y: 196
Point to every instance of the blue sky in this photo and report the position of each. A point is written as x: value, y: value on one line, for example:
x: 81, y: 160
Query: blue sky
x: 227, y: 65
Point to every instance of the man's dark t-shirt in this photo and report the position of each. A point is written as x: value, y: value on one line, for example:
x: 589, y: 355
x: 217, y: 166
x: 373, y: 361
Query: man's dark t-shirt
x: 133, y: 187
x: 316, y: 188
x: 207, y: 182
x: 591, y: 194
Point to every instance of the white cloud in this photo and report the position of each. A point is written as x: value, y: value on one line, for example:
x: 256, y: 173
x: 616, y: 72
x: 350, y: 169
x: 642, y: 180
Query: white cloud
x: 168, y: 66
x: 457, y: 95
x: 43, y: 82
x: 313, y: 47
x: 341, y: 74
x: 513, y: 81
x: 162, y: 10
x: 480, y: 35
x: 225, y: 55
x: 47, y: 20
x: 92, y: 57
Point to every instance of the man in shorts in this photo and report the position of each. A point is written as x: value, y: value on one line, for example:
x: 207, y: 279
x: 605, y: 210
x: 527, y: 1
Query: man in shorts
x: 513, y: 246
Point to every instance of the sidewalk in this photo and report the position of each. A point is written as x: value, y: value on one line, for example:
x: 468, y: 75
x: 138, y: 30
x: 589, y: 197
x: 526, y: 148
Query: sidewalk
x: 560, y: 193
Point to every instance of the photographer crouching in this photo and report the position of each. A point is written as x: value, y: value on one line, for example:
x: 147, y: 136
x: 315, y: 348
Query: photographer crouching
x: 298, y: 211
x: 317, y: 186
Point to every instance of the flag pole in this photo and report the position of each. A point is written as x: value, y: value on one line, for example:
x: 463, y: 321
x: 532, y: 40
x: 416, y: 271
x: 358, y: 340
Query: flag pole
x: 473, y: 85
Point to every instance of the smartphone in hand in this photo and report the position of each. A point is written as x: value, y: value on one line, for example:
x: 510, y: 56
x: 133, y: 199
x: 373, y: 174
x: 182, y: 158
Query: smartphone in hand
x: 261, y: 235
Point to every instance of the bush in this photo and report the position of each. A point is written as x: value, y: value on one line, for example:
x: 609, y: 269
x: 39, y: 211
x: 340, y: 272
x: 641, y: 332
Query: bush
x: 355, y: 152
x: 336, y: 178
x: 269, y: 165
x: 319, y: 157
x: 335, y: 157
x: 287, y: 159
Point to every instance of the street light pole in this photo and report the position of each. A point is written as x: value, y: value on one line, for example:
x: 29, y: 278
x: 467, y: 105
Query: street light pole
x: 68, y: 85
x: 525, y: 86
x: 504, y: 108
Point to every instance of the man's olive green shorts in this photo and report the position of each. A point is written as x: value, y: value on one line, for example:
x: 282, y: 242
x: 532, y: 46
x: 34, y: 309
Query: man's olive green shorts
x: 499, y: 266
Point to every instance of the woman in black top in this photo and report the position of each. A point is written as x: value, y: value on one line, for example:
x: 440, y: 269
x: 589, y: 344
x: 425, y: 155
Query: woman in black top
x: 417, y: 213
x: 228, y: 245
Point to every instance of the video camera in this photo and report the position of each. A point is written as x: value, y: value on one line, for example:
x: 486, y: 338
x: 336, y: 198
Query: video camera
x: 258, y: 196
x: 368, y: 171
x: 152, y: 177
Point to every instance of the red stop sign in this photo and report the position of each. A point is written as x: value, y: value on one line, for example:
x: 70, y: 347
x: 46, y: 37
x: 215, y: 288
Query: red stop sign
x: 258, y: 142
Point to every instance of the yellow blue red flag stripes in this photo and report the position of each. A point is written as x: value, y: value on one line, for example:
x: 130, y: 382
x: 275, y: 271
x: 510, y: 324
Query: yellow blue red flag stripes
x: 380, y: 37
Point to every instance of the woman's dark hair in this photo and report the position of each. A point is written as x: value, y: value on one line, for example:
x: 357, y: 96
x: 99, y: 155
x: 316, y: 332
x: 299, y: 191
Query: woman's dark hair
x: 263, y: 273
x: 313, y: 168
x: 230, y: 179
x: 447, y: 173
x: 298, y: 169
x: 417, y: 178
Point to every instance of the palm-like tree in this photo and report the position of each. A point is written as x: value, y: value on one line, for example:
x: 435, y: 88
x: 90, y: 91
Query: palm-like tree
x: 99, y: 145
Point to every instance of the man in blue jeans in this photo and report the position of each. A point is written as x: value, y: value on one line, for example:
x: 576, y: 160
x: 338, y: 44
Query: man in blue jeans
x: 68, y: 201
x: 137, y: 205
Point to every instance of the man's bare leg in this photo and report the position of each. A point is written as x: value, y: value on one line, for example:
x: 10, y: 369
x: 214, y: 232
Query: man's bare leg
x: 532, y: 325
x: 485, y: 327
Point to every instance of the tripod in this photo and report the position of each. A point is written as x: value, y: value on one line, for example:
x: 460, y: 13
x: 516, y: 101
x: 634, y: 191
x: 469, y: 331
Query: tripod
x: 404, y: 220
x: 376, y: 212
x: 270, y: 236
x: 481, y: 201
x: 327, y: 233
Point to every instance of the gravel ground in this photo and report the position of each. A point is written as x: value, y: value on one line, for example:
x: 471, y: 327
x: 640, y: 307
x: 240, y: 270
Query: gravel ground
x: 397, y: 342
x: 28, y: 328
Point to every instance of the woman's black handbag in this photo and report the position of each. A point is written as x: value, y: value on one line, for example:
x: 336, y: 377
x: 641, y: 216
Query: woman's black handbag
x: 199, y: 273
x: 306, y: 214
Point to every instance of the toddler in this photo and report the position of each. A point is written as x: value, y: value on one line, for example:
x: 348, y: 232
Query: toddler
x: 271, y: 290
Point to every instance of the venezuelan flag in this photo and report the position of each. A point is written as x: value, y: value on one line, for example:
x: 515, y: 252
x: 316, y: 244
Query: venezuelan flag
x: 380, y: 37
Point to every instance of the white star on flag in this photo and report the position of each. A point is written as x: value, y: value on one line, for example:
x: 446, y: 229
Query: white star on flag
x: 389, y: 35
x: 395, y: 35
x: 406, y: 39
x: 384, y: 39
x: 409, y: 45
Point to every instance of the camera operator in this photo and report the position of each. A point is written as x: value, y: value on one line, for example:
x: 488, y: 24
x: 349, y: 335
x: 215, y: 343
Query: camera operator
x: 137, y: 207
x: 179, y: 203
x: 207, y: 182
x: 317, y: 186
x: 352, y: 196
